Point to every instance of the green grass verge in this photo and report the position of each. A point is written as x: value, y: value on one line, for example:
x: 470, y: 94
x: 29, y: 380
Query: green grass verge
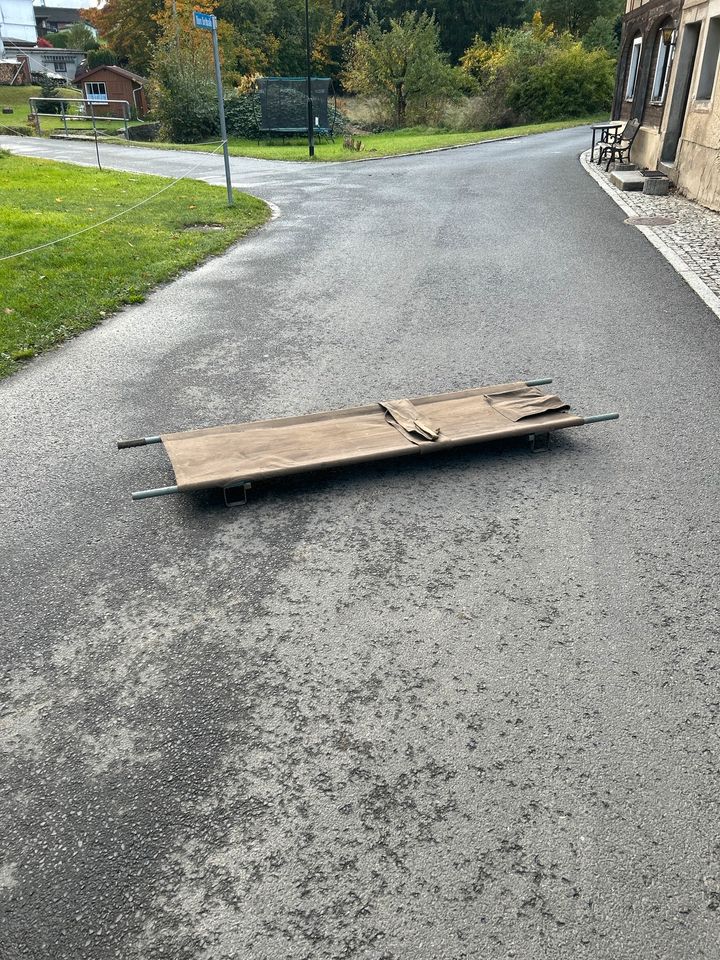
x: 52, y: 294
x: 377, y: 144
x: 17, y: 99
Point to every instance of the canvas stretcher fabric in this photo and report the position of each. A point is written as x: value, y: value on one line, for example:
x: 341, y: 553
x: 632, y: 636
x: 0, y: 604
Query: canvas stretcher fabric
x: 221, y: 456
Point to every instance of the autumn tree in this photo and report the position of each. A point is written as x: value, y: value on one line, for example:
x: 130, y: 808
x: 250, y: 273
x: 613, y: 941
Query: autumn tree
x: 400, y: 64
x: 129, y: 29
x: 183, y: 91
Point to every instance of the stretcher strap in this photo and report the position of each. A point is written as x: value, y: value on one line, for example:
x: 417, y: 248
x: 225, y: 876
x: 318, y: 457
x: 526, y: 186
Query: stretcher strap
x: 406, y: 418
x: 525, y: 402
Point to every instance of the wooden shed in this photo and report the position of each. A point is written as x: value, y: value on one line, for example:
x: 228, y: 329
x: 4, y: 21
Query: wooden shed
x: 105, y: 83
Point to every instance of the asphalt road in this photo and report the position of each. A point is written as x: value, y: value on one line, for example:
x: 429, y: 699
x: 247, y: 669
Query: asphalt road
x: 461, y: 708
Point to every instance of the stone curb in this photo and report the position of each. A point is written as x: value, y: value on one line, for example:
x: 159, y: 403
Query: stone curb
x: 689, y: 275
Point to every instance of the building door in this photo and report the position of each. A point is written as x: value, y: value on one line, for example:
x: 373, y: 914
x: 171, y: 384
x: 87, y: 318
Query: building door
x: 681, y: 94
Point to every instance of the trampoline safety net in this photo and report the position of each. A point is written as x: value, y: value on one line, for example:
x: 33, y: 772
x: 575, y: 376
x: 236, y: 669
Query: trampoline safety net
x: 283, y: 104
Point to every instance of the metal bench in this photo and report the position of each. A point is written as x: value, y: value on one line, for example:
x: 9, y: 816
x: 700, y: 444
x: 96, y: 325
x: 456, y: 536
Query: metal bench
x: 618, y: 150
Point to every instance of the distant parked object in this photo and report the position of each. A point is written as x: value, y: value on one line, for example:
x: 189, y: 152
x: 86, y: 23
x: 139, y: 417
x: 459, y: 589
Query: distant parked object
x: 114, y: 83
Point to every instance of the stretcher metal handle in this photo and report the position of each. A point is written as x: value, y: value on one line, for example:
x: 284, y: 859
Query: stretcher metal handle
x: 139, y: 442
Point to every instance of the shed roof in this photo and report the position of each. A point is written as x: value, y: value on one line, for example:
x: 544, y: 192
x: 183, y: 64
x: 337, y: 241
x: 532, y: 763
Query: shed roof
x: 119, y: 70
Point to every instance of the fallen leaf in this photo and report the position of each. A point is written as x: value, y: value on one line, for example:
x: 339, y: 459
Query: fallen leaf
x: 58, y: 199
x: 9, y: 310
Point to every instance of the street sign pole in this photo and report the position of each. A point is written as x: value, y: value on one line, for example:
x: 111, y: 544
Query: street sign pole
x: 206, y: 21
x: 310, y: 110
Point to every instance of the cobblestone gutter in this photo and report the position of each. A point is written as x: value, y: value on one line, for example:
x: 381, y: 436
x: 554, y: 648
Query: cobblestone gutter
x: 691, y: 244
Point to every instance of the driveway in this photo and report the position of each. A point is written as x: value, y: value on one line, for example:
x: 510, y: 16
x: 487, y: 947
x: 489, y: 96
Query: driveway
x: 460, y: 708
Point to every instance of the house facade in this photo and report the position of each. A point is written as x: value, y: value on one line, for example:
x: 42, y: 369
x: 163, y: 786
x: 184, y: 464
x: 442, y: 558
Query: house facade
x: 52, y: 16
x: 645, y: 70
x: 61, y: 64
x: 17, y: 23
x: 668, y: 79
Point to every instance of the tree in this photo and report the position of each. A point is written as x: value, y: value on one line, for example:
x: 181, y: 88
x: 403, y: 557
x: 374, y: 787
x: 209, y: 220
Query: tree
x: 510, y: 55
x: 129, y: 28
x: 572, y: 82
x: 401, y: 64
x: 459, y: 20
x: 577, y: 15
x: 602, y: 34
x: 183, y: 91
x: 81, y: 37
x: 77, y: 37
x: 102, y: 58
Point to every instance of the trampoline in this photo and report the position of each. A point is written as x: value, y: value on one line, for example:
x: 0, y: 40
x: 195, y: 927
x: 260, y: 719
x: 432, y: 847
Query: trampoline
x: 283, y: 106
x: 231, y: 457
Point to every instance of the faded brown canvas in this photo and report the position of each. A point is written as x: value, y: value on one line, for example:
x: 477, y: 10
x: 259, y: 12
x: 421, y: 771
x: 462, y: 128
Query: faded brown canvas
x: 218, y: 456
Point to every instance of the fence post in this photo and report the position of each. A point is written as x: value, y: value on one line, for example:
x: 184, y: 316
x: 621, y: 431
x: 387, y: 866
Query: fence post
x: 62, y: 110
x: 97, y: 148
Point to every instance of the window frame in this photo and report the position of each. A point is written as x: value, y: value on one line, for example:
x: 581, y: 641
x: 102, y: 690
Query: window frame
x: 662, y: 72
x: 633, y: 68
x: 704, y: 94
x: 96, y: 96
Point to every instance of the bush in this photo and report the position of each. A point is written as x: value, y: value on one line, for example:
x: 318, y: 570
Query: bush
x: 489, y: 111
x: 48, y: 88
x: 241, y: 115
x: 184, y: 99
x: 145, y: 132
x: 573, y: 82
x: 104, y: 57
x: 602, y: 34
x: 367, y: 114
x: 17, y: 129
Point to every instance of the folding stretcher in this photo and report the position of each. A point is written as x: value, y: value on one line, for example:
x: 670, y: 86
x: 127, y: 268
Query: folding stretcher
x: 231, y: 457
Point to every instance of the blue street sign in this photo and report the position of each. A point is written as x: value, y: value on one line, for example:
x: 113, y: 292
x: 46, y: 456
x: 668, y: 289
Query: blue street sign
x: 204, y: 21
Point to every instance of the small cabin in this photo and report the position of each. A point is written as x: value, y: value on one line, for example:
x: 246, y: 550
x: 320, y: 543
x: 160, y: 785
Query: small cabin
x: 107, y: 83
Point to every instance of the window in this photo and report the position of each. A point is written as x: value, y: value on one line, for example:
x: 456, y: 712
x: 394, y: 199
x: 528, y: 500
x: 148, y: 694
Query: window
x: 95, y: 91
x: 709, y: 66
x: 59, y: 66
x: 633, y: 68
x: 662, y: 68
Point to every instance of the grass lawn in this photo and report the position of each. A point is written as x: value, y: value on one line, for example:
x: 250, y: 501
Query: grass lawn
x: 377, y: 144
x: 18, y: 100
x: 52, y: 294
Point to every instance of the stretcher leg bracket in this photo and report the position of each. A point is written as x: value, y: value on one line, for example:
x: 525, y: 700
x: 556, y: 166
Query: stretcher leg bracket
x: 539, y: 442
x: 235, y: 494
